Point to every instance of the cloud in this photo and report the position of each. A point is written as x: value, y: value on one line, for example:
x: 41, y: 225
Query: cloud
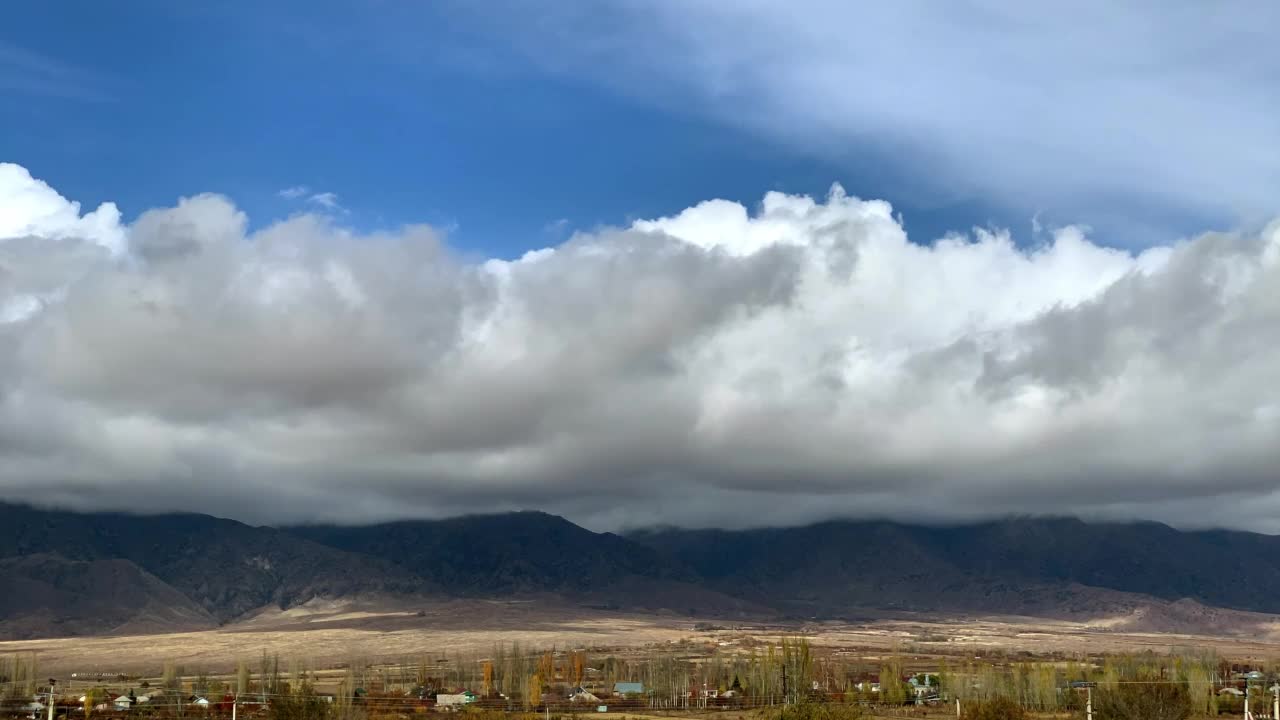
x: 720, y: 366
x: 33, y: 209
x: 326, y: 200
x: 1118, y: 114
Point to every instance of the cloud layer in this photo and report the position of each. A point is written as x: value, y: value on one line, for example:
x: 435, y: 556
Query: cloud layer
x: 1128, y: 115
x: 722, y: 366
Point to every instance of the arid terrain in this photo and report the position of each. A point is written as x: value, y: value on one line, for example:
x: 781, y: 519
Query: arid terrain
x: 326, y: 633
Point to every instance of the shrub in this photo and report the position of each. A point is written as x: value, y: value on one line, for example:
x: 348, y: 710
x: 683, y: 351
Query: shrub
x: 1142, y: 701
x: 998, y: 708
x: 820, y: 711
x: 302, y: 705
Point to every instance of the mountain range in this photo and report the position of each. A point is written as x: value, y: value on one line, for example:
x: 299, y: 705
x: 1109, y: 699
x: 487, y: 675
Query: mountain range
x: 68, y: 573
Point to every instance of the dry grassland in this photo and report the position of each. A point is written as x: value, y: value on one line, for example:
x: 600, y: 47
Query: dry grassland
x: 324, y: 633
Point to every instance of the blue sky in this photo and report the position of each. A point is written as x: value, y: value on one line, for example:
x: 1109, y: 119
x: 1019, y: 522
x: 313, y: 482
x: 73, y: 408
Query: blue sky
x: 247, y: 103
x: 496, y: 120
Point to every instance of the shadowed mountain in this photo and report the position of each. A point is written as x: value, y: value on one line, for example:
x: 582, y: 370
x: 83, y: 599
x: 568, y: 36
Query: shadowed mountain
x: 48, y: 594
x: 985, y: 566
x: 522, y: 552
x: 528, y: 553
x: 225, y: 567
x: 188, y: 570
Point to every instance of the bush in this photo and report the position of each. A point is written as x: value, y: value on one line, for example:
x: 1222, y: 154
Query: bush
x: 820, y: 711
x: 300, y: 706
x: 1154, y: 701
x: 999, y: 708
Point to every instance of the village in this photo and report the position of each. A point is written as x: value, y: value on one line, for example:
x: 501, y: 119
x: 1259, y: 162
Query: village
x: 688, y: 681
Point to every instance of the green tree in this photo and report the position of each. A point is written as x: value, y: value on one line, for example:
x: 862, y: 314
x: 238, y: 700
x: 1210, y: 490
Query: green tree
x: 892, y: 690
x: 797, y: 669
x: 93, y: 697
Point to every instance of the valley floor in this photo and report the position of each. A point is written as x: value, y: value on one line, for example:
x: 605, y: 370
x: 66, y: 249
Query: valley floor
x: 323, y: 633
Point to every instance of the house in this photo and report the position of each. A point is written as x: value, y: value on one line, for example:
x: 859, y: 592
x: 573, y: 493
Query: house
x: 199, y: 703
x: 923, y: 684
x: 466, y: 697
x: 582, y: 695
x: 628, y: 688
x: 124, y: 702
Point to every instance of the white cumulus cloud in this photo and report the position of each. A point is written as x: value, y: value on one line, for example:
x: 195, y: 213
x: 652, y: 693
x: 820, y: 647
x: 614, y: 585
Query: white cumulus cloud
x: 724, y: 365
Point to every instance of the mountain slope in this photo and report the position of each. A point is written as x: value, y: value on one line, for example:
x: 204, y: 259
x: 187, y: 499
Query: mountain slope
x: 225, y: 567
x: 502, y: 554
x: 983, y: 566
x: 78, y: 573
x: 48, y: 594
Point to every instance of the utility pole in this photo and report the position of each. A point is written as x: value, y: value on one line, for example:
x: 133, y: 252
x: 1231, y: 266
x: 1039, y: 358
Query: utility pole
x: 1088, y: 703
x: 1247, y: 716
x: 957, y: 707
x: 52, y: 701
x: 1275, y: 703
x: 234, y: 701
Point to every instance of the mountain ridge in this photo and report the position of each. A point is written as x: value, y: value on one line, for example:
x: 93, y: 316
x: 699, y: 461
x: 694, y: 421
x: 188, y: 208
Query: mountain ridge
x: 207, y: 570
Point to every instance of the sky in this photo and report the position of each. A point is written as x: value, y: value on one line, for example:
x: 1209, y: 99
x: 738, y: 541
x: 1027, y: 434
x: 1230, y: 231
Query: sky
x: 689, y: 263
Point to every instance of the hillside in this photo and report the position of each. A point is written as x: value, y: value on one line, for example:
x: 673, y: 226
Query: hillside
x: 225, y: 567
x: 501, y: 554
x: 992, y: 566
x: 175, y: 571
x: 49, y: 595
x: 534, y: 553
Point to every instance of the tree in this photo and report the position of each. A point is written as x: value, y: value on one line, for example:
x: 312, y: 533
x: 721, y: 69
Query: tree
x: 1200, y: 690
x: 487, y: 672
x: 547, y: 667
x: 1142, y: 701
x: 171, y: 684
x: 302, y: 704
x: 242, y: 678
x: 892, y: 689
x: 533, y: 692
x: 1042, y: 688
x: 201, y: 684
x: 797, y: 668
x: 92, y: 697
